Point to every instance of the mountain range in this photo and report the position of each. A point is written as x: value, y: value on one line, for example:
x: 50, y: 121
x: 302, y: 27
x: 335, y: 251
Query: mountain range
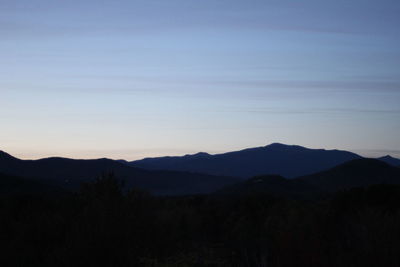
x: 316, y: 169
x: 275, y: 159
x: 69, y: 174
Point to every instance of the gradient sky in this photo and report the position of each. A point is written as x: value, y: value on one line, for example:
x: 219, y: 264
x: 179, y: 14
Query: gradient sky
x: 129, y: 79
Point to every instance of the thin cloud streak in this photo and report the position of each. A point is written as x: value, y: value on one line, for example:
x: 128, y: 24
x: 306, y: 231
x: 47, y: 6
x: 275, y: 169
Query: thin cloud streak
x: 305, y: 111
x: 139, y: 18
x: 361, y: 86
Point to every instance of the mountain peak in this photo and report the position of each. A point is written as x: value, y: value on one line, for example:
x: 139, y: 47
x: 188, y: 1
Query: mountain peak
x: 4, y: 155
x: 276, y: 145
x: 390, y: 160
x: 283, y: 146
x: 198, y: 155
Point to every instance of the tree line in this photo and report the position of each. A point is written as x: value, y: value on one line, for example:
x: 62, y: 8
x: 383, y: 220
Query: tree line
x: 103, y: 225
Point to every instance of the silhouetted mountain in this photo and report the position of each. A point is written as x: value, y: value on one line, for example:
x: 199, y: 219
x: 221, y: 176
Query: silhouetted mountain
x: 271, y: 184
x: 355, y: 173
x: 286, y: 160
x: 69, y: 174
x: 390, y: 160
x: 6, y: 156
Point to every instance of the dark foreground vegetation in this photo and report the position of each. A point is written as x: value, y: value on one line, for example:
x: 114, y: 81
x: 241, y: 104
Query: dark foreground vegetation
x: 101, y: 226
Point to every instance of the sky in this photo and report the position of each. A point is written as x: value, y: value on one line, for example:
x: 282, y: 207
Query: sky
x: 132, y: 79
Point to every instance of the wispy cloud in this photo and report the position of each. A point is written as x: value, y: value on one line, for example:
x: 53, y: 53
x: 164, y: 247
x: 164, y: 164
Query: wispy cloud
x: 124, y: 18
x: 308, y: 111
x: 392, y: 86
x: 389, y: 85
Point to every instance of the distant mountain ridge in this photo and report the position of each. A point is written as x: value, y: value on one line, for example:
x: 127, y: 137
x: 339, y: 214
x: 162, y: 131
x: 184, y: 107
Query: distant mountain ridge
x: 70, y: 173
x: 269, y: 165
x: 287, y: 160
x: 390, y: 160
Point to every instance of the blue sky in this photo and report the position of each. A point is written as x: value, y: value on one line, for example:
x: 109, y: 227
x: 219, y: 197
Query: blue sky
x: 130, y: 79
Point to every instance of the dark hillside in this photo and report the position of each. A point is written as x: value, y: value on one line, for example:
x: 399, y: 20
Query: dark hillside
x: 356, y: 173
x: 70, y: 173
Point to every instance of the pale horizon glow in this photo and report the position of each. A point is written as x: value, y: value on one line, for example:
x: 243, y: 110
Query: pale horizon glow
x: 134, y: 79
